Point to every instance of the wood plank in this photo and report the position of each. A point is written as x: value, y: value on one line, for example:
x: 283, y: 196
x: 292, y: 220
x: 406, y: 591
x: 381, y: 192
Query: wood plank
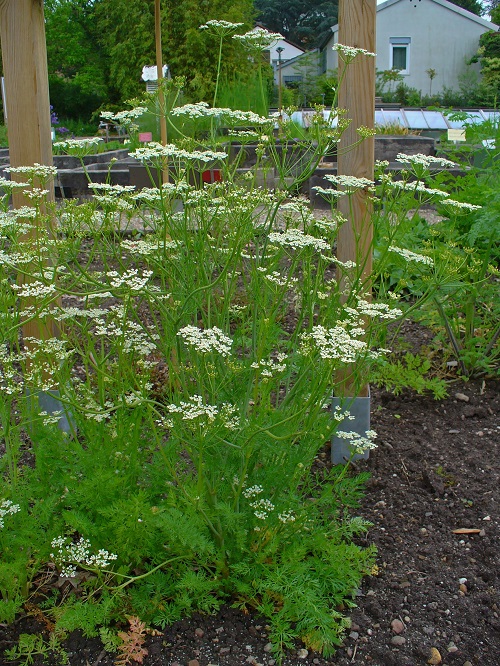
x: 24, y: 55
x: 357, y: 95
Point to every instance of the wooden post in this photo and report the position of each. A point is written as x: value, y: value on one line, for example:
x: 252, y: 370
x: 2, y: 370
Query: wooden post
x: 159, y: 76
x: 24, y: 54
x: 357, y: 95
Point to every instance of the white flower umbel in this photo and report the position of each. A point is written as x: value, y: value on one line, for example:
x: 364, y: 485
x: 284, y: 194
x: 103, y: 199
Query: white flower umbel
x: 148, y: 247
x: 155, y: 153
x: 206, y: 341
x: 124, y: 118
x: 258, y: 39
x: 136, y: 340
x: 413, y: 186
x: 424, y: 160
x: 34, y: 289
x: 50, y: 419
x: 378, y: 310
x: 40, y: 171
x: 276, y: 278
x: 357, y: 442
x: 460, y: 205
x: 348, y: 53
x: 297, y: 239
x: 350, y: 183
x: 337, y: 343
x: 220, y: 28
x: 270, y: 367
x: 229, y: 116
x: 253, y: 491
x: 112, y: 190
x: 7, y: 508
x: 9, y: 185
x: 194, y: 409
x: 329, y: 192
x: 263, y: 508
x: 79, y: 147
x: 129, y: 279
x: 68, y: 555
x: 287, y: 517
x: 412, y: 256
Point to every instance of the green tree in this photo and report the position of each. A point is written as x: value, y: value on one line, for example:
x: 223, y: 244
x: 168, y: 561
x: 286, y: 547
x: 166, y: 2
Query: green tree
x: 304, y: 22
x: 127, y: 33
x: 474, y: 6
x: 494, y: 10
x: 489, y: 56
x: 76, y: 61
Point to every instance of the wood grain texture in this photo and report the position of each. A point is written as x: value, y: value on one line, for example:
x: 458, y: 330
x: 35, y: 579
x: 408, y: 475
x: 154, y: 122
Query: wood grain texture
x: 161, y: 94
x: 24, y: 55
x: 357, y: 95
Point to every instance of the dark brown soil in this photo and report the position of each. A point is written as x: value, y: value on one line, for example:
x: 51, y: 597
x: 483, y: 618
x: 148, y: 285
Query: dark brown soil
x: 432, y: 500
x: 436, y: 471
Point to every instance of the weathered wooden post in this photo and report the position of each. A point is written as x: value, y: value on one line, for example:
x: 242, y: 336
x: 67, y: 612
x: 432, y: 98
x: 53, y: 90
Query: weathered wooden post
x: 24, y: 55
x: 161, y: 93
x: 354, y: 242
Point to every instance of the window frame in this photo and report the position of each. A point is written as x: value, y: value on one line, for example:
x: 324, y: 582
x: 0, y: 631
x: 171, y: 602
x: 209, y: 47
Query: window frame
x: 400, y: 43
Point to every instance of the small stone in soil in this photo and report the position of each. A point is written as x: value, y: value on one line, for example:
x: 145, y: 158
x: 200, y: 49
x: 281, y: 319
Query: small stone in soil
x: 398, y: 640
x: 397, y: 626
x: 302, y: 653
x: 199, y: 633
x: 435, y: 657
x: 462, y: 397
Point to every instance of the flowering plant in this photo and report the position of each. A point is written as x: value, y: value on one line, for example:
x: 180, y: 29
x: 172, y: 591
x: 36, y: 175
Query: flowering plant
x: 194, y: 362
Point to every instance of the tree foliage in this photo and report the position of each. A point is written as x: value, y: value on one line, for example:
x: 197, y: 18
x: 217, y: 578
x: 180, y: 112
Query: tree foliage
x: 76, y: 60
x: 494, y: 10
x: 304, y: 22
x: 97, y: 48
x: 127, y: 32
x: 474, y: 6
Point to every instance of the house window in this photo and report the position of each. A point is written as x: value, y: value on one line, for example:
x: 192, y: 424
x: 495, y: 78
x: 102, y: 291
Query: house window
x: 292, y: 81
x: 400, y: 54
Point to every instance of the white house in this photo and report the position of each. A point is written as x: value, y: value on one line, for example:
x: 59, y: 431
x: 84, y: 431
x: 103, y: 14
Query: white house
x: 288, y: 52
x: 414, y: 36
x: 299, y: 69
x: 281, y: 50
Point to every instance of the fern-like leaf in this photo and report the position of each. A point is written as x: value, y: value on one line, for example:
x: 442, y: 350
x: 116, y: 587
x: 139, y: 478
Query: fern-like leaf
x: 132, y: 641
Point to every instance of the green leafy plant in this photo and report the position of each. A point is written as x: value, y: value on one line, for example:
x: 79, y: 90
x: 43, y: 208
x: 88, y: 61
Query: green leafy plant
x: 194, y: 358
x: 30, y: 646
x: 410, y: 372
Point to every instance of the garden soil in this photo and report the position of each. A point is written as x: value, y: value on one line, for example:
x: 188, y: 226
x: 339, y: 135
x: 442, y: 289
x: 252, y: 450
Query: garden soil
x: 432, y: 500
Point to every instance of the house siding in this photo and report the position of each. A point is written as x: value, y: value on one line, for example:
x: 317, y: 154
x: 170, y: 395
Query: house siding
x: 441, y: 39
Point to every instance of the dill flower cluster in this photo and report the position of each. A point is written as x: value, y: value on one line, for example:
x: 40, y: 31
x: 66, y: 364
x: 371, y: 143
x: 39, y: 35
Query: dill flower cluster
x: 258, y: 39
x: 68, y: 555
x: 7, y: 507
x: 359, y: 443
x: 348, y: 53
x: 206, y: 341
